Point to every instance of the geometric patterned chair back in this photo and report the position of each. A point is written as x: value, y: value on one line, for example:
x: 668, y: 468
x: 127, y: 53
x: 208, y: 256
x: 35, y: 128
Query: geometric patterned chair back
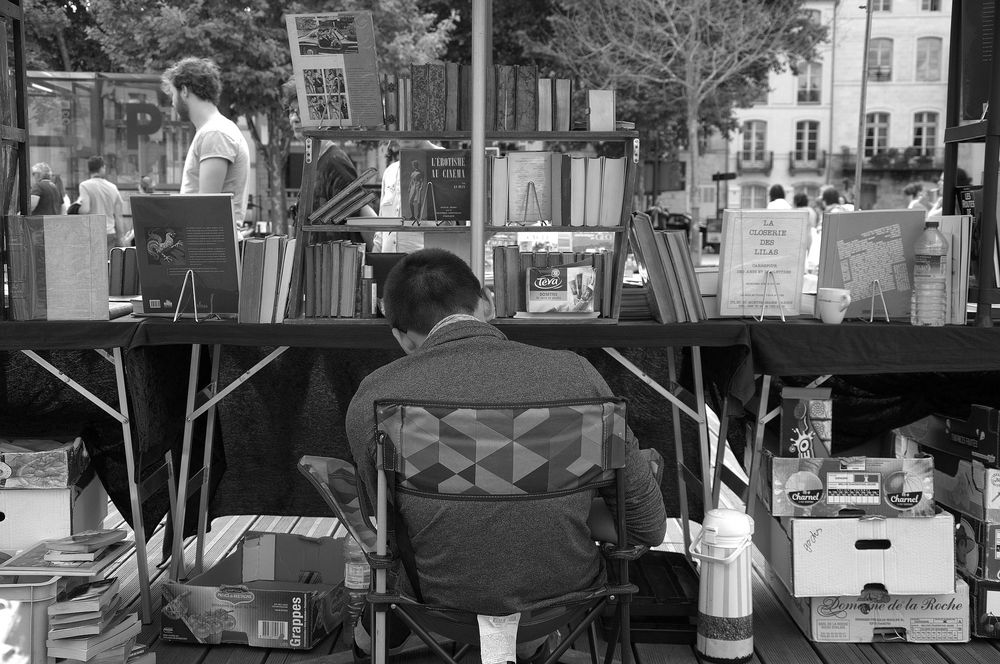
x: 503, y: 451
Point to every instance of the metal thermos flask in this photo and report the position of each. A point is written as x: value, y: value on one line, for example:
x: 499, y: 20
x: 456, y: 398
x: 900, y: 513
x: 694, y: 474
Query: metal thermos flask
x: 725, y: 603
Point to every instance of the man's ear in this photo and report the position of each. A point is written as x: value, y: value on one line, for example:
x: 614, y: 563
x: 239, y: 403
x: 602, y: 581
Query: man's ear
x: 485, y: 308
x: 408, y: 344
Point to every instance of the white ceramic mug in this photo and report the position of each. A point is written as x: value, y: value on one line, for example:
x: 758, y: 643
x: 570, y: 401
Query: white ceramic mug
x: 832, y: 303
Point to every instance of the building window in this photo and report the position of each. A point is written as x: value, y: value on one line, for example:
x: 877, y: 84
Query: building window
x: 929, y: 59
x: 810, y: 82
x: 876, y: 133
x: 925, y: 129
x: 810, y: 190
x: 754, y: 140
x: 807, y: 140
x: 880, y: 59
x: 881, y: 5
x: 753, y: 196
x: 930, y: 5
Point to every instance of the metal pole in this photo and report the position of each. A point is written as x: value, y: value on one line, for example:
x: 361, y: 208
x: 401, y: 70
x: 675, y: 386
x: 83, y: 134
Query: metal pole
x: 861, y: 113
x: 480, y: 20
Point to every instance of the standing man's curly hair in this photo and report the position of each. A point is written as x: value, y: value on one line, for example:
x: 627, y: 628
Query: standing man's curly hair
x: 202, y: 78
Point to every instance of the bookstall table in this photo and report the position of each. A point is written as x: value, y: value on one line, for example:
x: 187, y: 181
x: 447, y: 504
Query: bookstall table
x: 810, y: 348
x: 375, y: 334
x: 108, y: 338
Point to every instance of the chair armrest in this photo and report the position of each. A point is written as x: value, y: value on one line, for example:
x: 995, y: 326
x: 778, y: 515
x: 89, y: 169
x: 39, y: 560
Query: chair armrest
x: 337, y: 483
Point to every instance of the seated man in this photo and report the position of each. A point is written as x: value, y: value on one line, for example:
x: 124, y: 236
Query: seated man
x: 472, y: 556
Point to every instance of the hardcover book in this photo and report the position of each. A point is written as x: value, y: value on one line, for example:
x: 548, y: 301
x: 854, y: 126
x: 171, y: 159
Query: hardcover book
x: 762, y: 262
x: 182, y: 234
x: 58, y: 267
x: 642, y: 239
x: 529, y: 186
x: 526, y: 98
x: 435, y: 185
x: 336, y: 78
x: 506, y: 95
x: 858, y: 248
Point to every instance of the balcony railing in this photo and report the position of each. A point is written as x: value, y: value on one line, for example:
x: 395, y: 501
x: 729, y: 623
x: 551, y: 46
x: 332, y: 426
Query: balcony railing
x: 880, y: 73
x: 896, y: 159
x: 759, y: 163
x: 797, y: 164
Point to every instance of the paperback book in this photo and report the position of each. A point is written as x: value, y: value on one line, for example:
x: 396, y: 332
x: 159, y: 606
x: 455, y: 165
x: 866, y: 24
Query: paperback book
x: 87, y: 541
x: 435, y: 185
x: 187, y: 241
x: 32, y: 561
x: 762, y: 262
x: 85, y: 598
x: 122, y: 630
x: 336, y: 77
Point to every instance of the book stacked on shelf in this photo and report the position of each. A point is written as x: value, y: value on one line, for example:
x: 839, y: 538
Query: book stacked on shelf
x: 437, y: 97
x: 520, y: 278
x: 435, y: 185
x: 665, y: 266
x: 556, y: 189
x: 82, y: 554
x: 123, y: 272
x: 266, y: 273
x: 333, y: 280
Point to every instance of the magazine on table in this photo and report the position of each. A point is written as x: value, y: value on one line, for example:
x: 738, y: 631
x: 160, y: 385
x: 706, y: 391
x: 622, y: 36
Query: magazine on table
x: 32, y: 561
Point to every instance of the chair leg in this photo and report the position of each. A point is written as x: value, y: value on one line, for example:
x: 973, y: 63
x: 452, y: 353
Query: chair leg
x: 592, y: 642
x: 609, y: 653
x: 626, y: 653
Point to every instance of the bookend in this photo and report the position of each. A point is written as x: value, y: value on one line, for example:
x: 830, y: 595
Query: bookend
x: 531, y: 192
x: 769, y: 278
x: 189, y: 277
x: 877, y: 288
x: 428, y: 196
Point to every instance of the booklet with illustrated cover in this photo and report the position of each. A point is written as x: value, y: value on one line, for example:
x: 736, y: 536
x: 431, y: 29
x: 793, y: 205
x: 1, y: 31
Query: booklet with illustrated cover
x: 87, y: 541
x: 32, y: 561
x: 336, y: 77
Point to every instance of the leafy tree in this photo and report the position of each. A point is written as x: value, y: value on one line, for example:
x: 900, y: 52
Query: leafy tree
x: 56, y: 37
x: 516, y: 25
x: 249, y: 43
x: 683, y: 64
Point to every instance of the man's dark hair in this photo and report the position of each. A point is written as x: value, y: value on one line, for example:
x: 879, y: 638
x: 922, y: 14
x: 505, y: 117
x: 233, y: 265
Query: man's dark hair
x: 775, y: 192
x: 800, y: 199
x: 95, y: 163
x: 831, y: 196
x: 427, y: 286
x: 201, y: 76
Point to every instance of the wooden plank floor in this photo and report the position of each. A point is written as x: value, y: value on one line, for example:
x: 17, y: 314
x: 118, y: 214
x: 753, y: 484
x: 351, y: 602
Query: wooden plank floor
x: 777, y: 639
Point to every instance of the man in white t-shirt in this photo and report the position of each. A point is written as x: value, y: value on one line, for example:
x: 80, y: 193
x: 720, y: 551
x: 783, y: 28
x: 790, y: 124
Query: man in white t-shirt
x: 99, y: 196
x: 218, y: 160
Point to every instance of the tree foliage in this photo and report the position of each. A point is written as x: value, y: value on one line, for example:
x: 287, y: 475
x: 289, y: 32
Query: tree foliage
x: 247, y: 39
x: 56, y: 37
x: 684, y: 65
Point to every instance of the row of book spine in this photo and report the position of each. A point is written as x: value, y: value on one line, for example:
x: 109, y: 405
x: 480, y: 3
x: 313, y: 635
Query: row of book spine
x: 560, y: 189
x: 123, y: 272
x: 337, y: 281
x: 665, y: 264
x: 510, y: 270
x: 265, y: 275
x: 437, y: 97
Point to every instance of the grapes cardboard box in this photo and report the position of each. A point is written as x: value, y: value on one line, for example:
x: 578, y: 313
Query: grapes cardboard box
x: 291, y: 597
x: 848, y: 486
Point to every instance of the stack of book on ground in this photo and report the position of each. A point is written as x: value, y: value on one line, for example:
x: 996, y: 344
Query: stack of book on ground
x: 966, y: 450
x: 668, y: 272
x: 552, y: 284
x: 85, y: 553
x: 857, y: 549
x: 87, y: 624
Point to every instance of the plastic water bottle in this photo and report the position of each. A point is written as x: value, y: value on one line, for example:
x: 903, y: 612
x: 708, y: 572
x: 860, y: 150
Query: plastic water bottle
x: 357, y: 578
x: 929, y: 302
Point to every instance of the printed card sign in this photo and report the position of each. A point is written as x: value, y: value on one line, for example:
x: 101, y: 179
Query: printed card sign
x: 333, y: 57
x: 561, y: 288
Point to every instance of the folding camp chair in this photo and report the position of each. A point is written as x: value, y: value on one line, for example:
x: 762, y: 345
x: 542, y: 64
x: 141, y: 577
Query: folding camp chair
x: 576, y: 446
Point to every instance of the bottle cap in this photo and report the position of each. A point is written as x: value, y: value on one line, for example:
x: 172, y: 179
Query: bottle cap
x: 931, y: 224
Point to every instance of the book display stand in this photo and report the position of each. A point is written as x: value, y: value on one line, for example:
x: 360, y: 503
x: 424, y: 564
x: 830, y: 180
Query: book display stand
x: 877, y: 289
x: 770, y: 281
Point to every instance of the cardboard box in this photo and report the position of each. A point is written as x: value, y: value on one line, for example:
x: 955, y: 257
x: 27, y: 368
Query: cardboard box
x: 295, y: 600
x: 984, y: 597
x: 967, y: 487
x: 842, y: 556
x: 41, y: 464
x: 974, y: 438
x: 875, y: 616
x: 977, y: 547
x: 66, y: 511
x: 806, y: 422
x: 853, y: 486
